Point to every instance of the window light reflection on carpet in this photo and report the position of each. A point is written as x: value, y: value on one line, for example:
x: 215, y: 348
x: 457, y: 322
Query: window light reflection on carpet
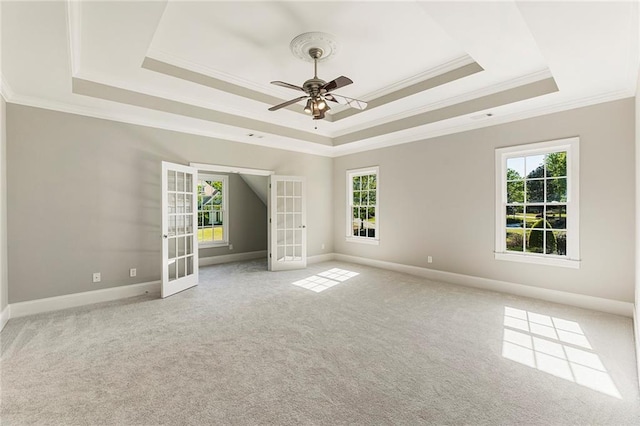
x: 554, y: 346
x: 325, y: 280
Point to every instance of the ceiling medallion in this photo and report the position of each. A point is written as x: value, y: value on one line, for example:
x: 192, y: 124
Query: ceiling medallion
x: 301, y: 44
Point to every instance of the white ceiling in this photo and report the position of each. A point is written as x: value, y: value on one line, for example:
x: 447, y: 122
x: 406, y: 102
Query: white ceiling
x: 426, y: 68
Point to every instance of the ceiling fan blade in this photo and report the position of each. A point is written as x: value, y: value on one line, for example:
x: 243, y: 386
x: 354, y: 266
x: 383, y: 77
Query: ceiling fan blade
x: 343, y: 100
x: 337, y: 83
x: 287, y: 85
x: 284, y: 104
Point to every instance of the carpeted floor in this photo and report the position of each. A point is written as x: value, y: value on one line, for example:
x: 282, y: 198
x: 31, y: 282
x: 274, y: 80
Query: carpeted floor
x: 355, y: 345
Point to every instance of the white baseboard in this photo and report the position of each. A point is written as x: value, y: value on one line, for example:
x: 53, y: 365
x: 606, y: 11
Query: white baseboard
x: 4, y: 316
x: 320, y: 258
x: 582, y: 301
x: 37, y: 306
x: 234, y: 257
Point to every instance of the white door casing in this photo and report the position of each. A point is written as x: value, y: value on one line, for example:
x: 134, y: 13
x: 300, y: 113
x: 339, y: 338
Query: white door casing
x: 179, y: 228
x: 287, y: 223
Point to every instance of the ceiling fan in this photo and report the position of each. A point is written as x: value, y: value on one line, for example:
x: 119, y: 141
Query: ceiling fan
x: 318, y: 91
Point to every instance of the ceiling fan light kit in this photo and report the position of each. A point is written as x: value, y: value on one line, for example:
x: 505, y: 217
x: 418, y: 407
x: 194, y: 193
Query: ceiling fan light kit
x: 313, y: 46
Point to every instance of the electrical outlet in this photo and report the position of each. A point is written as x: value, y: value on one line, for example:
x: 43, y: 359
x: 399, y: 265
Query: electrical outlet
x: 133, y: 272
x: 429, y: 259
x: 96, y: 277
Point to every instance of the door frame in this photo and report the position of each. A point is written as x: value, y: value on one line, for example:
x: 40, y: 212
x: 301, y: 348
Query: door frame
x: 219, y: 168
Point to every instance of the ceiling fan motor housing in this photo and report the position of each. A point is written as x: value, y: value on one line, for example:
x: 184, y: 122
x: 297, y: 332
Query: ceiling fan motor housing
x: 312, y: 86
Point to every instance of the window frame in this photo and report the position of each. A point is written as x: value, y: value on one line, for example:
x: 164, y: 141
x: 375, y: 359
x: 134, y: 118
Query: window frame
x: 225, y: 209
x: 350, y: 174
x: 572, y: 147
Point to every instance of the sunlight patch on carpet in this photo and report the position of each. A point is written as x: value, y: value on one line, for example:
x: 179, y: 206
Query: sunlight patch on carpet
x: 325, y: 280
x: 554, y: 346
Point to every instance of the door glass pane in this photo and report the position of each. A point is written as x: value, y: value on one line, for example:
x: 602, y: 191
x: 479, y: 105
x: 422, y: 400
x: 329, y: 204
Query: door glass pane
x: 280, y: 256
x: 189, y: 183
x: 189, y: 245
x: 171, y: 180
x: 172, y: 226
x: 298, y: 252
x: 180, y: 203
x: 181, y: 267
x: 172, y: 203
x: 181, y: 246
x: 288, y: 188
x: 297, y: 189
x: 190, y: 265
x: 280, y: 188
x: 172, y: 247
x: 172, y: 270
x: 180, y: 181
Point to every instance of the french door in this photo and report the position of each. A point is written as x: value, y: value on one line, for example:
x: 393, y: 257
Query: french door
x: 287, y: 223
x: 179, y: 228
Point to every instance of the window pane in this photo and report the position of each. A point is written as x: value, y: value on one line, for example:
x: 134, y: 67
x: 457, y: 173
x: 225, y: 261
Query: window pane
x: 373, y: 182
x: 557, y: 190
x: 535, y: 166
x: 533, y: 214
x: 552, y: 242
x: 556, y: 164
x: 535, y: 191
x: 515, y: 216
x: 515, y: 192
x: 356, y: 198
x: 515, y: 168
x: 364, y: 198
x: 372, y: 198
x: 356, y: 182
x: 561, y: 243
x: 557, y: 217
x: 355, y: 220
x: 515, y: 240
x: 364, y: 182
x: 535, y: 241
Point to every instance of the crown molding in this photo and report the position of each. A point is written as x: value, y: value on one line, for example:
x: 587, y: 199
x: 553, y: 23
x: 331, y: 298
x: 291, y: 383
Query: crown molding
x: 425, y: 75
x: 465, y: 97
x: 171, y: 59
x: 419, y: 135
x: 271, y: 141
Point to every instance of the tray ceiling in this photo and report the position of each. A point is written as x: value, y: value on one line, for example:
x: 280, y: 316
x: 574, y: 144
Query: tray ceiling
x: 425, y: 68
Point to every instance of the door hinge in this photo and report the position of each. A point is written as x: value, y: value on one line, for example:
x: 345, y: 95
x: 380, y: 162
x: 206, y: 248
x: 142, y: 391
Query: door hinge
x: 269, y: 255
x: 269, y: 186
x: 269, y: 220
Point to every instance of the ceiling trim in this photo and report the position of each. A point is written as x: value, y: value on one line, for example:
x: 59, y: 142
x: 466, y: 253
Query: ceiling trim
x: 127, y: 118
x: 418, y: 87
x: 519, y: 93
x: 173, y: 66
x: 171, y: 70
x: 465, y: 97
x: 157, y: 103
x: 436, y: 71
x: 309, y: 147
x: 368, y: 145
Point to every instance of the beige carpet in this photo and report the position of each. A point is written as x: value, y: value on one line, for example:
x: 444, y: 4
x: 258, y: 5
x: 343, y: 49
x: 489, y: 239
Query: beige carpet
x: 345, y: 344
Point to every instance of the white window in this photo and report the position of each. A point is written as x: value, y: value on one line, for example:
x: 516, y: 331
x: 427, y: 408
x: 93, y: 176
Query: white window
x: 362, y: 205
x: 537, y: 203
x: 213, y: 213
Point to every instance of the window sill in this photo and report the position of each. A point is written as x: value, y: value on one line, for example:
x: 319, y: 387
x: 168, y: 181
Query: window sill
x: 212, y: 245
x: 362, y: 240
x: 540, y: 260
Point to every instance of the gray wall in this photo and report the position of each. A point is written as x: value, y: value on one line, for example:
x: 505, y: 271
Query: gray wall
x: 437, y: 199
x: 247, y: 220
x: 636, y: 313
x: 4, y: 283
x: 84, y: 197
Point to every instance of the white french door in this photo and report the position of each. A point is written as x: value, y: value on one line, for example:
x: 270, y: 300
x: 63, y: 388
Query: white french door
x: 287, y: 223
x: 179, y: 228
